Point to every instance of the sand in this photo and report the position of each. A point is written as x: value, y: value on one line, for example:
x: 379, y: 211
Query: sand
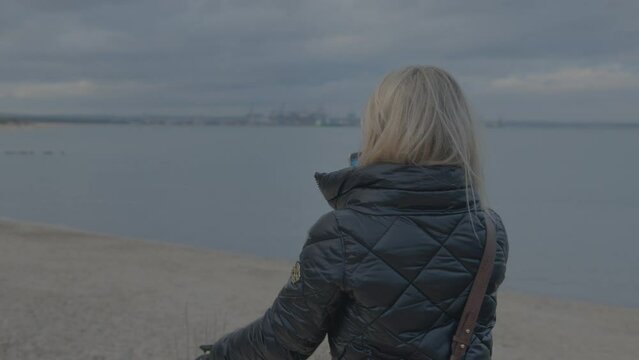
x: 68, y: 294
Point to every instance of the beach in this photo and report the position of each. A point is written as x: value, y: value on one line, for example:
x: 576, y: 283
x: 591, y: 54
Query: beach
x: 69, y: 294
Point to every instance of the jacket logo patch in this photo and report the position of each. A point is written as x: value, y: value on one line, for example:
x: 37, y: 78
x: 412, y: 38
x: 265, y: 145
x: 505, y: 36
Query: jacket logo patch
x: 295, y: 273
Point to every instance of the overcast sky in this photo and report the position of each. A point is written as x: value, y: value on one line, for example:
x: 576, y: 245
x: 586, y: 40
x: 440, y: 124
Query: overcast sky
x: 559, y: 59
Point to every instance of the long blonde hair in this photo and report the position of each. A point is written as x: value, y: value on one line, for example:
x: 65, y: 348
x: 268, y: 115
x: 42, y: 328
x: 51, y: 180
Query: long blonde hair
x: 419, y: 115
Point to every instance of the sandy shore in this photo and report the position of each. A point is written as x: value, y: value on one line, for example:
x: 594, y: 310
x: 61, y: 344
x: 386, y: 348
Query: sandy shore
x: 73, y: 295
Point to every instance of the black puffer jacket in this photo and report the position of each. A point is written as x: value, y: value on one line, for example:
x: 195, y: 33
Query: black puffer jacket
x: 385, y: 274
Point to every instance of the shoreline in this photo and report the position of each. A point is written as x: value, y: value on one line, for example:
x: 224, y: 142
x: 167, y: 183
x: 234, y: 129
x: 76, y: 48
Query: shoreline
x: 245, y: 255
x: 19, y: 126
x: 74, y: 294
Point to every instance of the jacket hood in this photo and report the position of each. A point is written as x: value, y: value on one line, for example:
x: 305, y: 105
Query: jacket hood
x: 399, y: 186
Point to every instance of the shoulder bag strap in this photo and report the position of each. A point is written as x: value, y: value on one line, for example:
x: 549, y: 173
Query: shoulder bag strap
x: 461, y: 339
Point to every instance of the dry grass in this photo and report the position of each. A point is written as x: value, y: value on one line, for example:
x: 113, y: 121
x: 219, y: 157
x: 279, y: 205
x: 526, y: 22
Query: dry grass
x: 204, y: 332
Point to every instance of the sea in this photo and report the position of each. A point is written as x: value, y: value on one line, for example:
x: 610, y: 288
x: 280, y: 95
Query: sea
x: 568, y: 197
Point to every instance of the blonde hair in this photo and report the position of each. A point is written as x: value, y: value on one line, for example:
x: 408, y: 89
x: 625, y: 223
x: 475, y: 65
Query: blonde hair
x: 419, y: 115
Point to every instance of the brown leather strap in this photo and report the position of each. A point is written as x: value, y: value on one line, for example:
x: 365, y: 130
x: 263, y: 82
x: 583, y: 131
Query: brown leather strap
x: 466, y: 326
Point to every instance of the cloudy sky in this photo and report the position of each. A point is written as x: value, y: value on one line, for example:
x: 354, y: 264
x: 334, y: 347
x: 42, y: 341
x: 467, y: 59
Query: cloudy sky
x: 549, y: 60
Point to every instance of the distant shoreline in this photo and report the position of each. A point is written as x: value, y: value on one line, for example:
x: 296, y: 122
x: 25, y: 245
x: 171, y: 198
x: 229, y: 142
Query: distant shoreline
x: 29, y: 125
x: 561, y: 124
x: 13, y: 121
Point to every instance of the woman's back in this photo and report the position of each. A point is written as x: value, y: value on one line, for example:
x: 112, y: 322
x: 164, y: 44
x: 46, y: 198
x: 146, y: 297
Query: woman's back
x: 410, y: 257
x: 385, y: 274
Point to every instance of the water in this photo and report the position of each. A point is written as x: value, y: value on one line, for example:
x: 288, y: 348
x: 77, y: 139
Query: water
x: 567, y: 196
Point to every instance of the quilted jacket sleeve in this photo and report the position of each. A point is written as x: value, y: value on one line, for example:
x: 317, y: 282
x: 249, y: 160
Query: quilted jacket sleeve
x: 297, y: 321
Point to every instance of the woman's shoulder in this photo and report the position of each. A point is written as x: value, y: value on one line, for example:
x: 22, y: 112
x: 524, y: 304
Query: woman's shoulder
x: 502, y: 234
x: 343, y: 223
x: 494, y: 215
x: 326, y: 227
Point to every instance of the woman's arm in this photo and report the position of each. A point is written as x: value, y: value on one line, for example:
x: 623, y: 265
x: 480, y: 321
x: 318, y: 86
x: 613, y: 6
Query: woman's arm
x: 297, y: 321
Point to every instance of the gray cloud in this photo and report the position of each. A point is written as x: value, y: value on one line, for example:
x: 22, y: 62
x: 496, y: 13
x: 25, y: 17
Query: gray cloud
x: 545, y: 59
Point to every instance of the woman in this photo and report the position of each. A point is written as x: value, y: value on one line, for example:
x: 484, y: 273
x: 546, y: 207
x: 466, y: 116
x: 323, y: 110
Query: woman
x: 387, y: 272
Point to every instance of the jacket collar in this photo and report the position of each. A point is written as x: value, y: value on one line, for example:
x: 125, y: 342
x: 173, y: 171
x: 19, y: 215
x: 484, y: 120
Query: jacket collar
x: 398, y: 186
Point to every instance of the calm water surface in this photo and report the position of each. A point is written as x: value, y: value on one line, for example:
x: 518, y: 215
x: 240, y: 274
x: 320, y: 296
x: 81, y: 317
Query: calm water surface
x: 568, y: 197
